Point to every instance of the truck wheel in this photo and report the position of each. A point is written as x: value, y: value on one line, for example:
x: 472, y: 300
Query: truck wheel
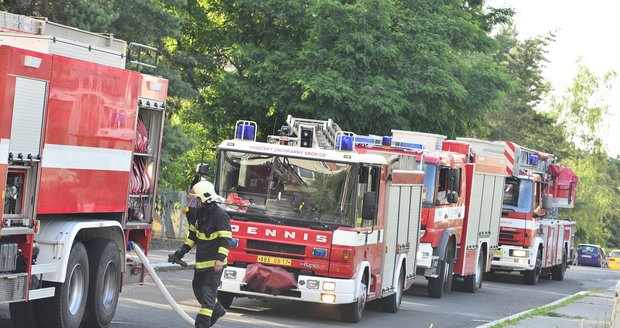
x: 473, y: 282
x: 391, y: 304
x: 557, y: 272
x: 353, y: 312
x: 105, y: 279
x: 225, y: 299
x: 23, y: 314
x: 66, y: 308
x: 443, y: 283
x: 531, y: 276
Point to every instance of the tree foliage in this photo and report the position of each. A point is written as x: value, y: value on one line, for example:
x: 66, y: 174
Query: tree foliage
x: 581, y: 110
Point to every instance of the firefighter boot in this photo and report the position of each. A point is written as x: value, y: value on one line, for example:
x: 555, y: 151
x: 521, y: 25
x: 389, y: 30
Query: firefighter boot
x: 217, y: 313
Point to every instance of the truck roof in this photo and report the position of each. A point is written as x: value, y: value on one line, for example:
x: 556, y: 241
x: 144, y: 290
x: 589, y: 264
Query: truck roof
x: 301, y: 152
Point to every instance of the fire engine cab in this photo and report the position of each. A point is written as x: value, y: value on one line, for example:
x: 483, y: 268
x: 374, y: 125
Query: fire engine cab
x: 343, y: 225
x: 80, y: 140
x: 532, y: 240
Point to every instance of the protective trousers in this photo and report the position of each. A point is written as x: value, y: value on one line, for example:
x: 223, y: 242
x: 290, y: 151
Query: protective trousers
x: 205, y: 285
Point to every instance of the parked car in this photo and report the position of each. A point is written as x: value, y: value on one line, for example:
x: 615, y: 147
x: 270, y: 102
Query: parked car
x: 591, y: 255
x: 613, y: 261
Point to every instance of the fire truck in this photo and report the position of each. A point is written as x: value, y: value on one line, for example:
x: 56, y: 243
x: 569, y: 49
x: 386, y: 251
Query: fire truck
x: 343, y: 224
x: 80, y: 140
x: 460, y: 208
x: 532, y: 240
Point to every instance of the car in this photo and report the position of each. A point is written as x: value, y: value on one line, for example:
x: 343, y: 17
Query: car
x: 591, y: 255
x: 613, y: 261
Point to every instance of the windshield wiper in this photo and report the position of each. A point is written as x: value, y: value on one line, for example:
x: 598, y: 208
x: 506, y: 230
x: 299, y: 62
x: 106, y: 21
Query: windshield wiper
x: 246, y: 215
x: 321, y: 224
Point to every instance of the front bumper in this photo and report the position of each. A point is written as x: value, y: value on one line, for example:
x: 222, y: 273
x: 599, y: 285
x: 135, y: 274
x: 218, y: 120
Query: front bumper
x: 503, y: 261
x: 344, y: 291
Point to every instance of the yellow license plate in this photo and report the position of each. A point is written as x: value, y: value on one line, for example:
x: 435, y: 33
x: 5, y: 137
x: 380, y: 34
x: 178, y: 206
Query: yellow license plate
x: 498, y: 252
x: 274, y: 260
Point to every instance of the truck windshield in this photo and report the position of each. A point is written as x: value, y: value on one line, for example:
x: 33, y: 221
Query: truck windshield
x: 309, y: 192
x: 518, y: 195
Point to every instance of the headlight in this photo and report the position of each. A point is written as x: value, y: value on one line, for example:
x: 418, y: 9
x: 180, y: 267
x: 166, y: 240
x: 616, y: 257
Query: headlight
x: 313, y: 284
x: 328, y: 298
x: 329, y: 285
x: 230, y: 274
x: 519, y: 253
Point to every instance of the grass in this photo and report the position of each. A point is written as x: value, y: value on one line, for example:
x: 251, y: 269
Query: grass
x: 545, y: 311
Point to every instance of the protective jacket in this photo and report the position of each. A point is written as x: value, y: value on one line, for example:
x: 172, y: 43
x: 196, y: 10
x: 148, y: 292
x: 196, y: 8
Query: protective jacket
x: 211, y: 234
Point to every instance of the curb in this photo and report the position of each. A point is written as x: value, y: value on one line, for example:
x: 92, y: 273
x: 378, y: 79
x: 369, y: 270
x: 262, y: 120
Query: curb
x: 520, y: 314
x: 616, y: 308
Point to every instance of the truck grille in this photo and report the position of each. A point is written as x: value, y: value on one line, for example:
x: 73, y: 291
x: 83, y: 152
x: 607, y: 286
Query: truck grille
x: 509, y: 237
x: 276, y: 247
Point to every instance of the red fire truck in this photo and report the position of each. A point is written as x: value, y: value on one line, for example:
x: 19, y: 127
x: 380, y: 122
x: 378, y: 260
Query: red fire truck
x: 344, y: 224
x: 532, y: 240
x: 80, y: 140
x: 461, y: 204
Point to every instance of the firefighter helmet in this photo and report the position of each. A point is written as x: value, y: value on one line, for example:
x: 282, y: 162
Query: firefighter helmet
x: 205, y: 191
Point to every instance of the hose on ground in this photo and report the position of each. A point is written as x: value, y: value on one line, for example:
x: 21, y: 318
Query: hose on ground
x: 162, y: 288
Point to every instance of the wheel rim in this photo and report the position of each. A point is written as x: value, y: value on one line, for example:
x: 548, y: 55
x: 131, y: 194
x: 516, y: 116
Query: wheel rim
x: 76, y: 289
x: 109, y: 285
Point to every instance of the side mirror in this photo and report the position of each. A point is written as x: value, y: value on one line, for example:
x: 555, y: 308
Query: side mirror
x: 547, y: 201
x: 363, y: 173
x: 369, y: 209
x: 454, y: 180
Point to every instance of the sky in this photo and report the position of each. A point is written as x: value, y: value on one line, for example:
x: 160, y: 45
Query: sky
x: 586, y: 29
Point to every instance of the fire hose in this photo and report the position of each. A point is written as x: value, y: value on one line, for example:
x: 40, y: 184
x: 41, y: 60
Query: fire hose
x: 161, y: 287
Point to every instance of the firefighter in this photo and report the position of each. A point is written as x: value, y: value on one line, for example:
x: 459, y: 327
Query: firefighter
x: 211, y: 234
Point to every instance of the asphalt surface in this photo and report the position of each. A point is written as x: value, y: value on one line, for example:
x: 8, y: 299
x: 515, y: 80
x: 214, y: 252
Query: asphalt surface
x: 505, y: 295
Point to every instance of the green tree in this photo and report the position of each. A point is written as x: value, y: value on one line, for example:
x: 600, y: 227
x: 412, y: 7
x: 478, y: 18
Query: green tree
x: 581, y: 111
x: 371, y: 66
x: 516, y: 117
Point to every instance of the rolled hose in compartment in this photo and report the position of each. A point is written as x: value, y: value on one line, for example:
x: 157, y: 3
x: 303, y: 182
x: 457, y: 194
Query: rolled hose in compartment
x: 162, y: 288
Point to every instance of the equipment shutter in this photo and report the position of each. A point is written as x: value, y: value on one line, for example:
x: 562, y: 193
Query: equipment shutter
x: 27, y: 121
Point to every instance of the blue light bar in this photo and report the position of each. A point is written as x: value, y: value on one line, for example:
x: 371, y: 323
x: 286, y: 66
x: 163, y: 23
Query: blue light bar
x: 344, y: 142
x: 319, y: 252
x: 369, y: 140
x: 245, y: 132
x: 408, y: 145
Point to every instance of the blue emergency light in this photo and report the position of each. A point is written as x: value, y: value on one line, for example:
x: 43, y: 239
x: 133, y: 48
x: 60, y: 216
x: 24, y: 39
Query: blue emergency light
x: 386, y: 141
x: 534, y: 159
x: 245, y: 132
x: 344, y: 142
x: 319, y: 252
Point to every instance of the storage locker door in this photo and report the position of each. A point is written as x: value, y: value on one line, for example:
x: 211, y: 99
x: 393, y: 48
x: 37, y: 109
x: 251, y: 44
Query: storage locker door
x: 27, y: 123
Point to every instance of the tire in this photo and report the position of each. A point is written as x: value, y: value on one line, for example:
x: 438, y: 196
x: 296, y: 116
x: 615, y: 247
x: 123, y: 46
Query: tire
x: 353, y: 312
x: 23, y: 314
x: 531, y: 277
x: 557, y: 272
x: 104, y: 283
x: 391, y: 304
x: 473, y: 283
x: 66, y: 309
x: 443, y: 283
x: 225, y: 299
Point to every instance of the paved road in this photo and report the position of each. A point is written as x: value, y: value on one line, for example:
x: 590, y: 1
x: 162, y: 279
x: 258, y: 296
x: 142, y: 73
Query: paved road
x: 142, y: 306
